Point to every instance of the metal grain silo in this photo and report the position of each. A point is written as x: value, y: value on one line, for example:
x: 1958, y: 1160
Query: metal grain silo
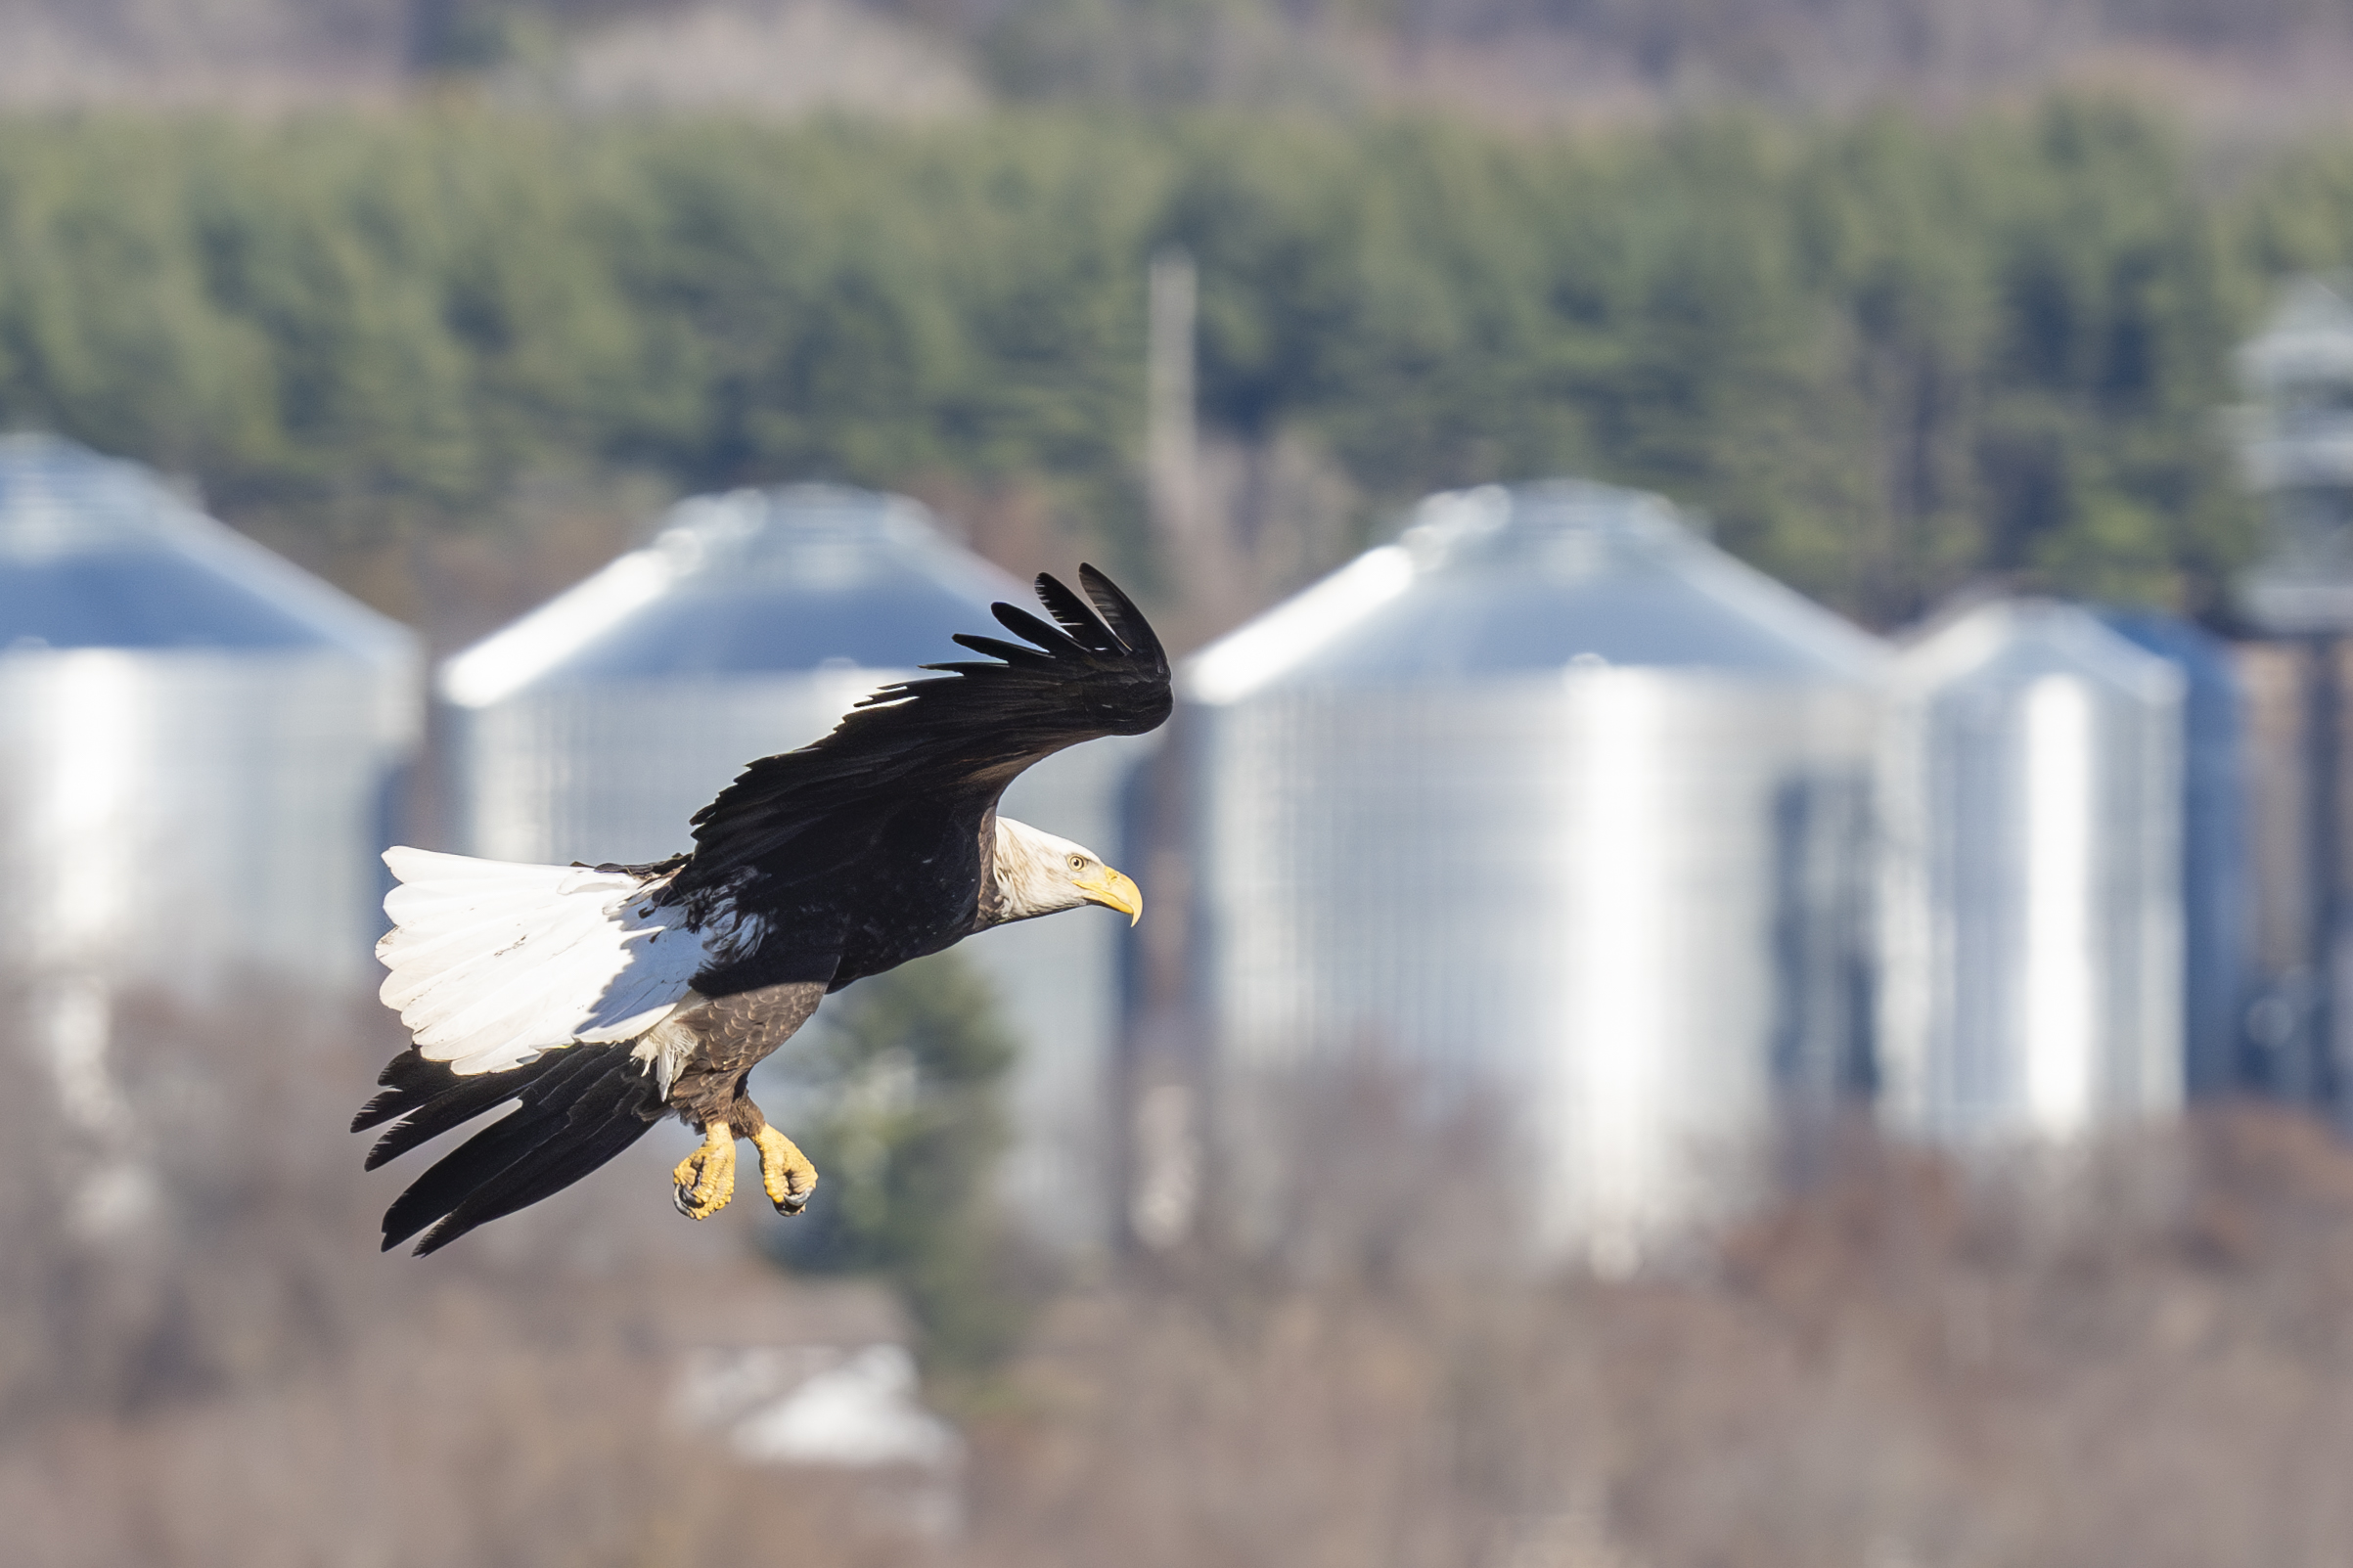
x: 594, y: 726
x: 198, y: 735
x: 2217, y: 914
x: 2033, y: 806
x: 198, y: 744
x: 1554, y: 803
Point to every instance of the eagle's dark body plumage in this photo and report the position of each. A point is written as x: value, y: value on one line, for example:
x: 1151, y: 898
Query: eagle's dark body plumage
x: 879, y: 843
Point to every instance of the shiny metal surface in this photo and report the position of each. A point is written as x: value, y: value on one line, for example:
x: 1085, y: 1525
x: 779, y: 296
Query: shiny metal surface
x: 594, y: 726
x: 197, y: 738
x: 2033, y: 806
x: 2218, y: 757
x: 1559, y: 807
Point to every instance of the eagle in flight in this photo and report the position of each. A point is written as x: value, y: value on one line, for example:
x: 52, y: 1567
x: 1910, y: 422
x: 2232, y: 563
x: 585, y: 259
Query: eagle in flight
x: 598, y: 999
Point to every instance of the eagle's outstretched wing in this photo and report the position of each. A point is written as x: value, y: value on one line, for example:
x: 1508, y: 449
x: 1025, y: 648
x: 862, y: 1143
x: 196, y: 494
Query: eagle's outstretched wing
x: 1098, y: 670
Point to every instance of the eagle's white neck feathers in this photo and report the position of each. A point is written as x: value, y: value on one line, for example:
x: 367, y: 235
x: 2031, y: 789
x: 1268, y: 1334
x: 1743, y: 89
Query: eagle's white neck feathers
x: 1037, y: 872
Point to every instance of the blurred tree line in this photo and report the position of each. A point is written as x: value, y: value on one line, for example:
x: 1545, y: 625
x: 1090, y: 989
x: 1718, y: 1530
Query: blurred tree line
x: 1306, y: 52
x: 1883, y: 355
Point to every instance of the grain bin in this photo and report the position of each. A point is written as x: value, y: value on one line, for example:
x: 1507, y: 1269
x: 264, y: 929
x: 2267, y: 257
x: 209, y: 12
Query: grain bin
x: 2033, y: 798
x: 2217, y: 904
x: 199, y: 737
x: 1550, y: 804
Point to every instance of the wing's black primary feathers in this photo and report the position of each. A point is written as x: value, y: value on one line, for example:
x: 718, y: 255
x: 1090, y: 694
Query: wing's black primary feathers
x: 1086, y: 623
x: 960, y: 736
x: 606, y: 1118
x: 430, y: 1099
x: 405, y: 1087
x: 1056, y: 641
x: 572, y: 1102
x: 1118, y: 611
x: 1013, y: 653
x: 447, y: 1183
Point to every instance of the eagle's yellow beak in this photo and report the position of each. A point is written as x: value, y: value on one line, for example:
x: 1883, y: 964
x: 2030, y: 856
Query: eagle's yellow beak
x: 1114, y: 891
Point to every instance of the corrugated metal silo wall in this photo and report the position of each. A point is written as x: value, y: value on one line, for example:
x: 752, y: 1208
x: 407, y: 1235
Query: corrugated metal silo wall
x: 2217, y: 905
x: 2034, y: 943
x: 612, y: 772
x: 1622, y: 905
x: 191, y: 817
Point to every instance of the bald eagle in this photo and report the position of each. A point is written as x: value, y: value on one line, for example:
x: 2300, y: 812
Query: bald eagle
x: 596, y: 1000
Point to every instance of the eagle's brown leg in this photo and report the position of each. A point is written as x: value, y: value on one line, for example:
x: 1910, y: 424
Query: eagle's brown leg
x: 705, y: 1179
x: 785, y: 1171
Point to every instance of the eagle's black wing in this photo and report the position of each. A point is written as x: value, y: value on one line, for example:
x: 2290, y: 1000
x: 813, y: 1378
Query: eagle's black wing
x: 960, y: 738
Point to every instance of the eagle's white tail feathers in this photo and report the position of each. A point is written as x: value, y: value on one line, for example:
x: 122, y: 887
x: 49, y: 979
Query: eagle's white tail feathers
x: 493, y: 963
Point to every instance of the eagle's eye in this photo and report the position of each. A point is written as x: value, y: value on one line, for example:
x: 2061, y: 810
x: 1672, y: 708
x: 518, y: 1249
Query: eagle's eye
x: 1078, y: 863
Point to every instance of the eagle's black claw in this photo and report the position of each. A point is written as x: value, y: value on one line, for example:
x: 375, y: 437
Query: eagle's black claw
x: 705, y: 1179
x: 785, y: 1171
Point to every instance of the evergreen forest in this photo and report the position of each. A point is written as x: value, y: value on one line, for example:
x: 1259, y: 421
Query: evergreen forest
x: 1882, y: 354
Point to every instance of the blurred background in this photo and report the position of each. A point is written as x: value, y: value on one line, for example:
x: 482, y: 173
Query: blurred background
x: 1751, y: 949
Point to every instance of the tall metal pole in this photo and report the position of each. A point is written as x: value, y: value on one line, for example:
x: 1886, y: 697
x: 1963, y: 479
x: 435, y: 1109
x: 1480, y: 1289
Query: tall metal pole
x: 1172, y: 457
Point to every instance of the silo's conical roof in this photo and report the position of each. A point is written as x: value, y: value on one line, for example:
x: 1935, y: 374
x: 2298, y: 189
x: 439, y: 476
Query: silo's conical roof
x: 752, y: 581
x: 2007, y: 642
x: 1499, y: 581
x: 97, y: 552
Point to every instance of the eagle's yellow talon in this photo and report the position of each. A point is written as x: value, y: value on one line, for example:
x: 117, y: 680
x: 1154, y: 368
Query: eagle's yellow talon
x: 705, y: 1179
x: 785, y: 1171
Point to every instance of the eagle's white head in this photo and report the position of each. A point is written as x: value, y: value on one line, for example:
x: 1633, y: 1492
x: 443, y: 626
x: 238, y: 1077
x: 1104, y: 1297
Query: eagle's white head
x: 1038, y: 874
